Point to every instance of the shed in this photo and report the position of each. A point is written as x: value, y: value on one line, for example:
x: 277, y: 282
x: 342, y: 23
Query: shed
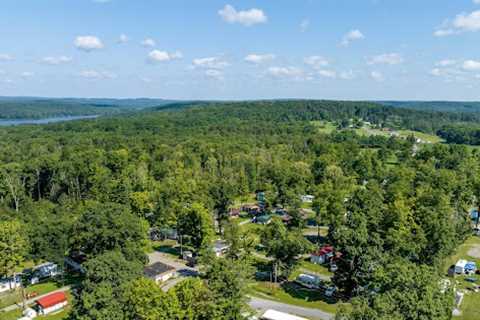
x: 51, y: 303
x: 322, y: 256
x: 159, y: 272
x: 220, y: 247
x: 460, y: 266
x: 264, y: 219
x: 277, y: 315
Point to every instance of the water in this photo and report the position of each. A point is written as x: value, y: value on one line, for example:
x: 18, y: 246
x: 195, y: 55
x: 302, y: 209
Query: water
x: 16, y: 122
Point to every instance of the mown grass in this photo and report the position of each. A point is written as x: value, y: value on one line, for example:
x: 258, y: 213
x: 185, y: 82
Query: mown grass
x: 302, y: 298
x: 470, y: 306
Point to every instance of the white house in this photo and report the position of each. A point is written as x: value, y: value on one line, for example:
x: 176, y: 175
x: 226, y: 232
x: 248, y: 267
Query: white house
x: 11, y: 283
x: 460, y: 266
x: 159, y: 272
x: 220, y: 247
x: 277, y: 315
x: 51, y: 303
x: 307, y: 198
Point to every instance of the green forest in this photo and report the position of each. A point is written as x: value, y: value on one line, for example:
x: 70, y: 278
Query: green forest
x: 395, y: 210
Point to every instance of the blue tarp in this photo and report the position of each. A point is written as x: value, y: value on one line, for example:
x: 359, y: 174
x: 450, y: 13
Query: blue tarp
x: 474, y: 214
x: 470, y: 266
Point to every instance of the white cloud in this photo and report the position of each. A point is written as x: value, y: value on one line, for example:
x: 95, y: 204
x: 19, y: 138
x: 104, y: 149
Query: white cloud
x: 353, y: 35
x: 247, y: 18
x: 476, y: 1
x: 2, y: 72
x: 463, y: 22
x: 387, y: 58
x: 149, y: 43
x: 471, y: 65
x: 123, y: 38
x: 437, y: 72
x: 102, y: 1
x: 347, y: 75
x: 215, y: 74
x: 259, y: 58
x: 146, y: 80
x: 327, y: 73
x: 56, y: 60
x: 446, y: 62
x: 286, y: 72
x: 27, y: 74
x: 97, y: 75
x: 210, y: 63
x: 5, y: 57
x: 88, y: 43
x: 377, y: 76
x: 162, y: 56
x: 304, y: 25
x: 316, y: 62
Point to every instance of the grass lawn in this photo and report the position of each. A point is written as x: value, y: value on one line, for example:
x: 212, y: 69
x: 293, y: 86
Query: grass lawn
x: 15, y: 314
x: 303, y: 298
x: 16, y: 296
x: 430, y: 138
x: 315, y: 268
x: 324, y: 127
x: 470, y: 306
x: 169, y: 247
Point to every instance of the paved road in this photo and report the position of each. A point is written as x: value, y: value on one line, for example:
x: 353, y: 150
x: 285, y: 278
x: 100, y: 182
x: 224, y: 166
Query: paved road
x: 30, y: 301
x: 313, y: 314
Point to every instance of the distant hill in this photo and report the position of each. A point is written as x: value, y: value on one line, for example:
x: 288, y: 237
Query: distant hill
x: 445, y: 106
x: 35, y: 108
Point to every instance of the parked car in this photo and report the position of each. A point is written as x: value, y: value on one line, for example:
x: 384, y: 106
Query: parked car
x: 330, y: 291
x: 333, y: 267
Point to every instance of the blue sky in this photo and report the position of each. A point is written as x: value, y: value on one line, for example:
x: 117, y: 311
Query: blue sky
x: 211, y: 49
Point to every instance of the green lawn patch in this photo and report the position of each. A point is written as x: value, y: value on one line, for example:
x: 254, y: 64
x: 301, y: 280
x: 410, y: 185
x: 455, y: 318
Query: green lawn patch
x: 303, y: 298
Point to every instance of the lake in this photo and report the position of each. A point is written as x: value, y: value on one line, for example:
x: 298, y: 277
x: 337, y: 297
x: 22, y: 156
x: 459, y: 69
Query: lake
x: 16, y: 122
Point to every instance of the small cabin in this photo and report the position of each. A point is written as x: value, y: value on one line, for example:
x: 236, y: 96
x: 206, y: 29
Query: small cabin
x: 51, y: 303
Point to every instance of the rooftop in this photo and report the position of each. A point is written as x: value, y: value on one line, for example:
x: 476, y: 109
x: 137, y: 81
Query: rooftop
x: 156, y: 269
x: 52, y: 299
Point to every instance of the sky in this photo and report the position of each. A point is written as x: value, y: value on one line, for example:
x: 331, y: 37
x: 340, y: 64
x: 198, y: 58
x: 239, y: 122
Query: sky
x: 228, y: 49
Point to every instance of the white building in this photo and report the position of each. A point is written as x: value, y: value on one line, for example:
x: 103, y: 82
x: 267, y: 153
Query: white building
x: 7, y: 284
x: 159, y: 272
x: 307, y: 198
x: 460, y: 266
x: 51, y: 303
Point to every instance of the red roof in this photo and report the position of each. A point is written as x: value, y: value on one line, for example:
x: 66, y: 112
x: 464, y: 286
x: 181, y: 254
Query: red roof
x: 52, y: 299
x: 325, y: 250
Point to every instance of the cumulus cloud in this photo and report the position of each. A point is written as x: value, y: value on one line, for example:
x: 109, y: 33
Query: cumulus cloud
x: 210, y: 63
x: 88, y: 43
x: 162, y: 56
x: 347, y: 75
x: 27, y: 74
x: 446, y: 62
x: 386, y: 58
x: 247, y: 18
x: 214, y: 73
x: 316, y: 62
x: 286, y: 72
x: 377, y: 76
x: 471, y: 65
x: 56, y: 60
x: 304, y: 24
x: 5, y: 57
x: 123, y: 38
x: 259, y: 58
x: 149, y: 43
x: 463, y: 22
x: 327, y: 73
x: 351, y: 36
x: 97, y: 75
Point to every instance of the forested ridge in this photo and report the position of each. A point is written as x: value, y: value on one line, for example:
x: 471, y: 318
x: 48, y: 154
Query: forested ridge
x: 393, y: 211
x: 37, y: 108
